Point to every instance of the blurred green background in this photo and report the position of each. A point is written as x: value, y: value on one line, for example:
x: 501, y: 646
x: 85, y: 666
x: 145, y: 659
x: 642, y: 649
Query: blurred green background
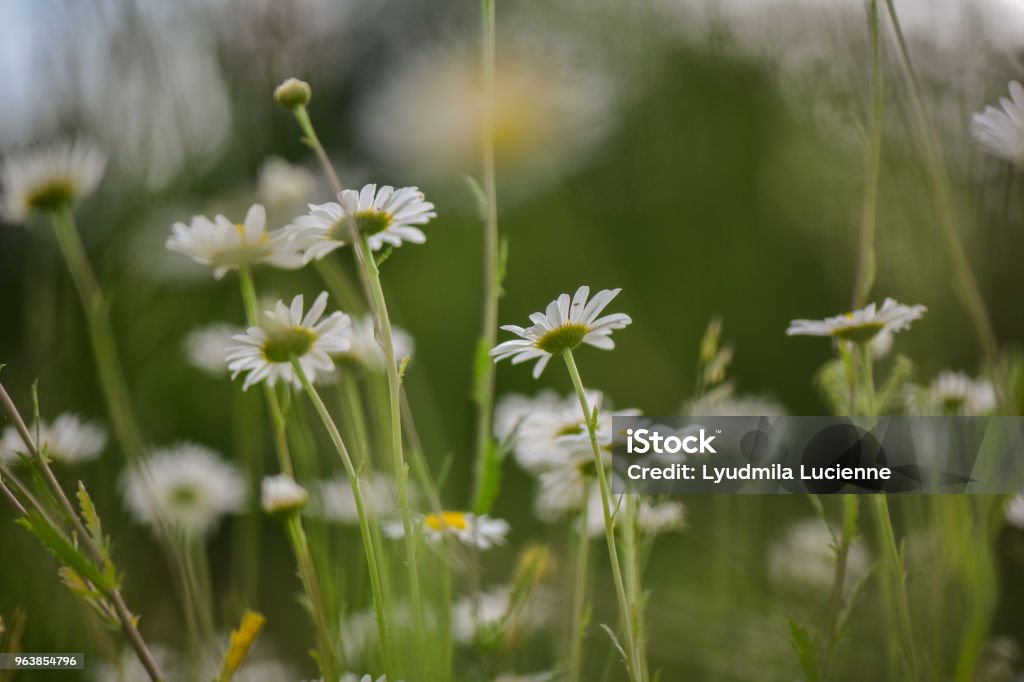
x: 720, y: 181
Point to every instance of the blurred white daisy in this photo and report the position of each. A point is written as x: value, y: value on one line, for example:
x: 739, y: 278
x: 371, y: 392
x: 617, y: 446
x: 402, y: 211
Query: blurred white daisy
x: 226, y: 246
x: 513, y: 408
x: 482, y: 532
x: 266, y: 351
x: 206, y: 347
x: 564, y: 325
x: 595, y: 510
x: 1001, y: 132
x: 562, y: 487
x: 69, y: 439
x: 187, y: 486
x: 365, y: 350
x: 280, y: 494
x: 804, y: 557
x: 1015, y: 511
x: 552, y: 104
x: 861, y: 325
x: 285, y: 185
x: 49, y: 177
x: 332, y: 500
x: 953, y: 393
x: 661, y: 517
x: 387, y: 216
x: 471, y: 615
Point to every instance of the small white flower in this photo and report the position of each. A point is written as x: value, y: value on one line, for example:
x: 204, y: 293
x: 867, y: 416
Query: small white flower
x: 280, y: 494
x: 206, y: 347
x: 953, y: 393
x: 1001, y: 133
x: 68, y: 440
x: 187, y: 486
x: 804, y: 557
x: 481, y: 532
x: 266, y: 351
x: 655, y: 519
x: 333, y: 500
x: 471, y: 616
x: 50, y: 177
x: 1015, y: 512
x: 564, y: 325
x: 225, y: 246
x: 387, y: 216
x: 860, y: 325
x: 595, y: 510
x: 284, y: 184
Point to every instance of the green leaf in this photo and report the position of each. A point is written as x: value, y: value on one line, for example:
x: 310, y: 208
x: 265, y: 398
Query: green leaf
x: 615, y: 642
x: 803, y: 645
x: 383, y: 255
x: 63, y: 550
x: 488, y: 483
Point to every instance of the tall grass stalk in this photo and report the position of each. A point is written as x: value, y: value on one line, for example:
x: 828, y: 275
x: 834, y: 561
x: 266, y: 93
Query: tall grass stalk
x: 941, y: 191
x: 626, y: 609
x: 380, y: 604
x: 483, y: 391
x: 311, y: 585
x: 101, y: 335
x: 579, y: 618
x: 865, y: 276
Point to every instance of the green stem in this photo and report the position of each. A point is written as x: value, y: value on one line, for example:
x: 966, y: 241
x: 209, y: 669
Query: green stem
x: 101, y: 335
x: 579, y: 600
x: 846, y: 355
x: 278, y: 422
x: 851, y: 505
x: 364, y: 521
x: 401, y: 469
x: 307, y: 573
x: 484, y: 377
x: 868, y: 366
x: 869, y: 208
x: 625, y: 608
x: 894, y: 566
x: 354, y: 404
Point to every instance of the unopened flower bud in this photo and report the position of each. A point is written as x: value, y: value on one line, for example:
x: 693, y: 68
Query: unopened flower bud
x: 281, y: 495
x: 293, y: 93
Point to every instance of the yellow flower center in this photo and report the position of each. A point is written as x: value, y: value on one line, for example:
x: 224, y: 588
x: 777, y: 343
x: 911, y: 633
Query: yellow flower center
x: 367, y: 222
x: 56, y: 193
x: 860, y: 333
x: 567, y: 337
x: 446, y: 520
x: 282, y: 344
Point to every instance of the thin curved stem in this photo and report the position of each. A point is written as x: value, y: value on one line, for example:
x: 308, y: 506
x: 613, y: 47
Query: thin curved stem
x: 626, y: 609
x: 379, y: 603
x: 101, y: 335
x: 579, y: 599
x: 307, y: 573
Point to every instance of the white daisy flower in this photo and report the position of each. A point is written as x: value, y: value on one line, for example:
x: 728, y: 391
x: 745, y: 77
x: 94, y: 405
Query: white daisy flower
x: 284, y: 184
x: 1015, y: 512
x: 266, y: 351
x: 333, y: 499
x: 206, y: 347
x: 187, y: 486
x: 860, y: 325
x: 512, y: 409
x: 595, y: 510
x: 470, y: 616
x: 1001, y: 133
x: 953, y: 393
x: 225, y: 246
x: 804, y: 557
x: 657, y: 518
x: 564, y: 325
x: 280, y: 494
x: 45, y: 178
x: 68, y: 439
x: 482, y: 532
x: 387, y: 216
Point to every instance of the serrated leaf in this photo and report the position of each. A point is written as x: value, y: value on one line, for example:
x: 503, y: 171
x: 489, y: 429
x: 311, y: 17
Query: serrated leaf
x: 402, y: 366
x: 63, y: 550
x: 383, y: 255
x: 803, y: 645
x: 92, y: 519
